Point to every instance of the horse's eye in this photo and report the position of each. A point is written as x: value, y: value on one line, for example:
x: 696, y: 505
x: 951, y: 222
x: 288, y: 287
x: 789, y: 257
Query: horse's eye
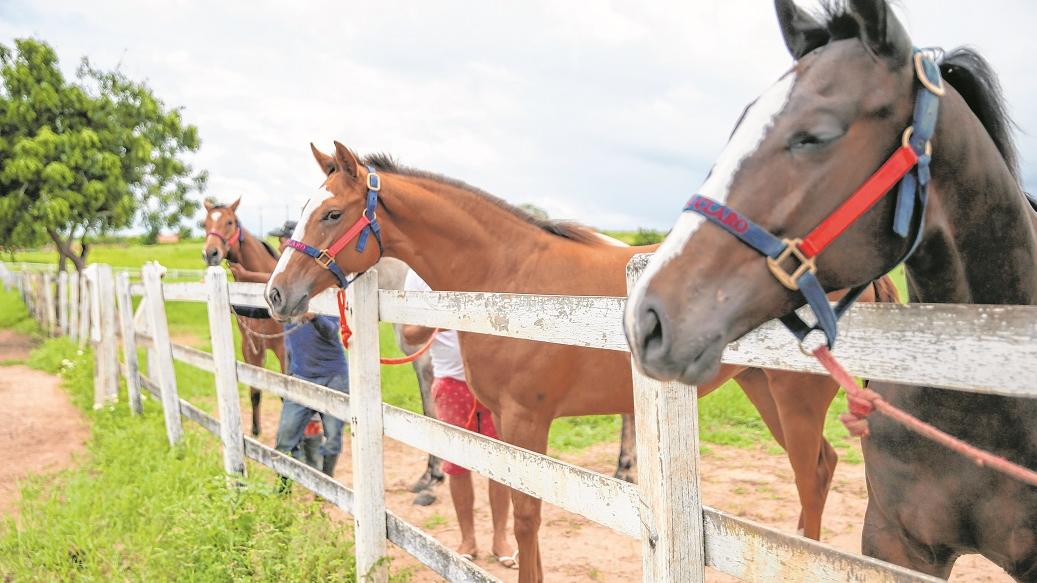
x: 812, y: 141
x: 229, y: 223
x: 332, y: 215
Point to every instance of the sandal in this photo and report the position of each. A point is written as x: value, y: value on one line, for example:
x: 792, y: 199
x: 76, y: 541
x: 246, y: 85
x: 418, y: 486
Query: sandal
x: 508, y: 562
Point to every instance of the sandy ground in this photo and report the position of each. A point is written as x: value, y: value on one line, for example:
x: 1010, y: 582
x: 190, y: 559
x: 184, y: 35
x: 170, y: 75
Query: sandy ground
x: 40, y: 430
x: 750, y: 483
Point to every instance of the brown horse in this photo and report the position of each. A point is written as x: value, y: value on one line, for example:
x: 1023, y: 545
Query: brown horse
x: 800, y: 151
x: 226, y: 239
x: 459, y: 238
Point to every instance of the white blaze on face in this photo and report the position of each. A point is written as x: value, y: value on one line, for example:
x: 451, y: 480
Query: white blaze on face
x: 758, y: 120
x: 299, y: 234
x: 216, y: 217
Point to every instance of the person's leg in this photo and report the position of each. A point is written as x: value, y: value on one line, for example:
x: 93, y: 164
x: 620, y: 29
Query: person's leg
x: 290, y: 432
x: 463, y: 494
x: 311, y: 442
x: 453, y: 404
x: 500, y: 498
x: 333, y: 428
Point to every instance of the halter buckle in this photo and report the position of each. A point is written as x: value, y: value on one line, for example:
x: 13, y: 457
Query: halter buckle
x: 906, y: 141
x: 923, y: 78
x: 374, y: 182
x: 324, y: 260
x: 781, y: 274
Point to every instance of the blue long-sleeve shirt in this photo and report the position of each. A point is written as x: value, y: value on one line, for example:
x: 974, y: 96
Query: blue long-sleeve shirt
x: 315, y: 353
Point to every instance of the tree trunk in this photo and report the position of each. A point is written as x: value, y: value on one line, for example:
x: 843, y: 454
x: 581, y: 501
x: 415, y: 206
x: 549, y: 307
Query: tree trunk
x: 65, y: 250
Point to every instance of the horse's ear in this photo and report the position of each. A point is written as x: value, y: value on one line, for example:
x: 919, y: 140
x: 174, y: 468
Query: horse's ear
x: 881, y: 30
x: 208, y: 205
x: 346, y: 160
x: 234, y: 205
x: 801, y: 31
x: 326, y: 163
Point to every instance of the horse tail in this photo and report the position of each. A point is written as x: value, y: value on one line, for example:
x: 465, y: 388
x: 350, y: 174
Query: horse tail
x: 885, y: 291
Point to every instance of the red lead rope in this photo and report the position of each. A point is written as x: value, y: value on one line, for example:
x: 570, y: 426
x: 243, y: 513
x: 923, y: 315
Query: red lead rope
x: 863, y: 402
x: 347, y: 333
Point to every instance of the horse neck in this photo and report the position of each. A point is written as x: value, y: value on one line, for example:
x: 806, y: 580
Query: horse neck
x: 456, y: 239
x: 253, y: 256
x: 980, y: 244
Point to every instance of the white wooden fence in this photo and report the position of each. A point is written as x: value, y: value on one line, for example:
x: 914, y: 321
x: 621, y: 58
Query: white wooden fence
x: 910, y: 344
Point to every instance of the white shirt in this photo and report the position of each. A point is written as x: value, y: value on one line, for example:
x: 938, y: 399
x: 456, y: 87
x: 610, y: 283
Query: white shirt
x: 445, y: 351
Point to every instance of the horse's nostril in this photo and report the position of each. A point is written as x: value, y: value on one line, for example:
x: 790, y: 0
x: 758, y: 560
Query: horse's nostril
x: 274, y: 297
x: 652, y: 339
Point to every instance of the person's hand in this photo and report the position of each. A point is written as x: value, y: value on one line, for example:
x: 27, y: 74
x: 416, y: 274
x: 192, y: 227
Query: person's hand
x: 307, y: 317
x: 237, y: 270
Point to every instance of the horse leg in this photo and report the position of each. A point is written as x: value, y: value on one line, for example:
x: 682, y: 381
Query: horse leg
x: 803, y: 402
x: 627, y: 464
x: 886, y: 540
x: 254, y: 356
x: 528, y: 432
x: 433, y: 476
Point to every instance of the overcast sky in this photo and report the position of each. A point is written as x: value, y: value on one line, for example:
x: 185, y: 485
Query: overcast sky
x: 610, y: 113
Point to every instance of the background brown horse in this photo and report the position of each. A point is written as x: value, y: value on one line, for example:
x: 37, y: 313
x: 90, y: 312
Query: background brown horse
x: 459, y: 238
x: 226, y: 239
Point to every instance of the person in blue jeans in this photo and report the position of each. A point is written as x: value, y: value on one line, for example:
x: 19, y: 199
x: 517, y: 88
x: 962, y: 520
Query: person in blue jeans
x: 315, y: 354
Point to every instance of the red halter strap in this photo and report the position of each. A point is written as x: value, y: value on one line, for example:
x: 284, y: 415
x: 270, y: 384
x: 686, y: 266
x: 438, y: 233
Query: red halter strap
x: 237, y: 236
x: 881, y: 182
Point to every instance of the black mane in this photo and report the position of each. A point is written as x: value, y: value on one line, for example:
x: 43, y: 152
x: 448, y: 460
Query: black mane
x: 564, y: 229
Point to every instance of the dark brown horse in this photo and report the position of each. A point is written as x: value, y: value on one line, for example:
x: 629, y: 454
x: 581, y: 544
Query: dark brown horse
x: 799, y: 151
x: 226, y: 239
x: 456, y: 238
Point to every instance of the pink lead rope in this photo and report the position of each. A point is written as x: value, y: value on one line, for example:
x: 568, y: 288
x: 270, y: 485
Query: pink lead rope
x: 864, y: 401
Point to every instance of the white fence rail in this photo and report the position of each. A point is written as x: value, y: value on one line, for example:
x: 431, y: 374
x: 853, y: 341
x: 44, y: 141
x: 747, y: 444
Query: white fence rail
x: 895, y: 343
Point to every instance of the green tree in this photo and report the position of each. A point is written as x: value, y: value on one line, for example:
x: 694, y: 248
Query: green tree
x: 86, y: 157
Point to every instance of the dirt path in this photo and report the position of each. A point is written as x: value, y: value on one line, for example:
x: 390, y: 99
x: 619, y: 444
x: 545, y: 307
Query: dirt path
x: 750, y: 483
x: 40, y: 430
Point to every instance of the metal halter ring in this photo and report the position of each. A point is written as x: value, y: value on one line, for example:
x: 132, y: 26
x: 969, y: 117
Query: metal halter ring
x: 906, y: 141
x: 324, y: 260
x: 805, y: 264
x: 937, y: 90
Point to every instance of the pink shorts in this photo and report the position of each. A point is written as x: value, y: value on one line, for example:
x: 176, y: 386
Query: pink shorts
x: 456, y: 405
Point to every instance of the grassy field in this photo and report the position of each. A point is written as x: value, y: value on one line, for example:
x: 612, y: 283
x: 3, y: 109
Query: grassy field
x: 135, y: 510
x: 727, y: 417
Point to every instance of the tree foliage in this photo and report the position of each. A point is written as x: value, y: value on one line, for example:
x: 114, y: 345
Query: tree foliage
x: 86, y: 157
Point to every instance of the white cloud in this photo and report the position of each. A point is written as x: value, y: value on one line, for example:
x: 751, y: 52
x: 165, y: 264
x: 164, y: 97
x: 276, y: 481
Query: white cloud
x: 609, y: 113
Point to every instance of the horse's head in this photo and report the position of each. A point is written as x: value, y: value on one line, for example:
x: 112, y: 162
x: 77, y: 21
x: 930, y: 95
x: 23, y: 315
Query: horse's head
x: 222, y: 231
x: 797, y: 152
x: 325, y: 220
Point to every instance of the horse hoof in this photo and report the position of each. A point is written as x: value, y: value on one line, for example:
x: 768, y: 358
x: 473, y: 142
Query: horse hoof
x: 425, y: 499
x: 626, y: 476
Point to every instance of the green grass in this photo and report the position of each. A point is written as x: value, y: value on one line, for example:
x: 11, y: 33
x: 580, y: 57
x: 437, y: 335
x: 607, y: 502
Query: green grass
x: 135, y: 510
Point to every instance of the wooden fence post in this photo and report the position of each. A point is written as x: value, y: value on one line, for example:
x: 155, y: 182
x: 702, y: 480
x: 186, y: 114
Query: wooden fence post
x: 49, y: 304
x: 63, y: 303
x: 164, y: 373
x: 106, y: 351
x: 84, y: 307
x: 226, y: 371
x: 365, y: 388
x: 667, y: 456
x: 73, y: 306
x: 124, y: 304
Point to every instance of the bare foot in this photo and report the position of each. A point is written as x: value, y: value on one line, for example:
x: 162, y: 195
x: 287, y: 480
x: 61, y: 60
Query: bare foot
x: 468, y: 550
x: 505, y: 555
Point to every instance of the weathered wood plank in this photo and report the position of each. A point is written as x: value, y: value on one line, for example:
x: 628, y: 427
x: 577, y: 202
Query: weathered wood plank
x: 365, y: 386
x: 753, y: 552
x: 73, y: 306
x: 666, y: 416
x: 63, y: 303
x: 83, y: 334
x: 107, y: 348
x: 131, y: 371
x: 602, y: 499
x: 164, y: 373
x: 50, y: 306
x: 226, y: 372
